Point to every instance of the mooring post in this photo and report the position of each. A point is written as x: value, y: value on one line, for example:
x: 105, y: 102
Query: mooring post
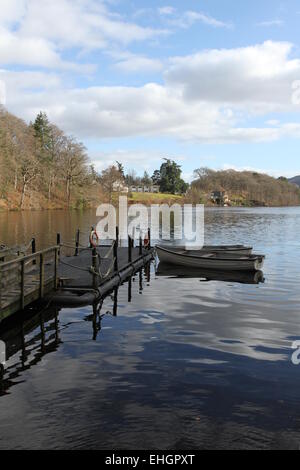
x: 91, y: 237
x: 116, y: 264
x: 116, y: 246
x: 148, y: 273
x: 33, y: 249
x: 56, y: 268
x: 117, y: 235
x: 129, y: 249
x: 115, y: 309
x: 141, y: 281
x: 94, y: 264
x: 58, y: 243
x: 42, y: 275
x: 56, y: 326
x: 130, y: 290
x: 77, y: 243
x: 0, y: 287
x: 22, y: 285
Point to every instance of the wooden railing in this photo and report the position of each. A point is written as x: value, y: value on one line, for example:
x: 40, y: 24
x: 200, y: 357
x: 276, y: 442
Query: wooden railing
x: 27, y: 277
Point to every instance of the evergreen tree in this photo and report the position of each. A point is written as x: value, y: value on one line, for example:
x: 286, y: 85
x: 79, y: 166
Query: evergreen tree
x: 170, y: 180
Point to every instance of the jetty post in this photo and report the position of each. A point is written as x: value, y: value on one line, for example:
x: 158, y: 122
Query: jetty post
x: 58, y: 240
x: 22, y: 284
x: 130, y: 290
x: 141, y: 246
x: 33, y: 249
x: 129, y: 249
x: 115, y: 308
x: 42, y: 274
x: 77, y: 242
x: 94, y: 265
x: 116, y: 246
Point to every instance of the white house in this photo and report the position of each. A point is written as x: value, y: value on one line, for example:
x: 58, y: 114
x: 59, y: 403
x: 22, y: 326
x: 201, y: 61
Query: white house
x: 119, y: 187
x: 154, y: 188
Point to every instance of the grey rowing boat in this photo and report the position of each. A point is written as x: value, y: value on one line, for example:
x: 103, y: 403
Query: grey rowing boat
x: 218, y: 261
x: 232, y: 249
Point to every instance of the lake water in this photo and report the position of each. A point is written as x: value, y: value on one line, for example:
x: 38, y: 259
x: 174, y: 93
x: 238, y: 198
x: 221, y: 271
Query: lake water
x: 187, y: 364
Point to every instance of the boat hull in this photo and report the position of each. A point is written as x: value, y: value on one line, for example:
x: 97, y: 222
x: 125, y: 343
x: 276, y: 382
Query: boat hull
x: 230, y: 249
x: 224, y: 262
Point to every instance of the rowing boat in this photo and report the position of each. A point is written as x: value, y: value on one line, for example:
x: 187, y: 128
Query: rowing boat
x: 234, y: 249
x: 216, y: 260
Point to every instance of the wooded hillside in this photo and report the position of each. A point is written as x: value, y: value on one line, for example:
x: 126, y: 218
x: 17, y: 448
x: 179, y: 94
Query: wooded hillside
x: 245, y: 188
x: 41, y: 167
x: 295, y: 180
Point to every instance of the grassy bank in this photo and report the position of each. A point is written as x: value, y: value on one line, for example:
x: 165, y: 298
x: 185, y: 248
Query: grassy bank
x: 155, y: 198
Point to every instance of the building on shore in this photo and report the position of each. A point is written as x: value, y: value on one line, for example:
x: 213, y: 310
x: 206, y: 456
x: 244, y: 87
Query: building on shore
x: 153, y: 188
x: 120, y: 187
x: 220, y: 198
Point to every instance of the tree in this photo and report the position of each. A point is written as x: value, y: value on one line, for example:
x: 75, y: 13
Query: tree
x: 156, y: 177
x: 74, y: 165
x: 42, y: 158
x: 42, y: 130
x: 146, y: 180
x: 131, y: 178
x: 48, y: 137
x: 169, y: 178
x: 120, y: 168
x: 28, y: 164
x: 109, y: 178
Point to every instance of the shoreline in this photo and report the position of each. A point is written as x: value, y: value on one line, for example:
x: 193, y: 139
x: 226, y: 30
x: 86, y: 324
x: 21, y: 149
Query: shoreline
x: 81, y: 209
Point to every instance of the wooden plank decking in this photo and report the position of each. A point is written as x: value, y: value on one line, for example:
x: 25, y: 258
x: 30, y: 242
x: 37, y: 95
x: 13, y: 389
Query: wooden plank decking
x: 27, y: 279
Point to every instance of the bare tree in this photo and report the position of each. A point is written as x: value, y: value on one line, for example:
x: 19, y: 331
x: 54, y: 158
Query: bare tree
x: 109, y: 178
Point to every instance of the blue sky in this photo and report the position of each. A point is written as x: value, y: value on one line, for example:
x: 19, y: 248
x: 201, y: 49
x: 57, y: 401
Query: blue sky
x: 209, y: 83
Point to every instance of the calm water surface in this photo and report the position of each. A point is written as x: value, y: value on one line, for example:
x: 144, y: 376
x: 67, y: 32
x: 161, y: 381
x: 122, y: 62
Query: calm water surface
x: 187, y: 364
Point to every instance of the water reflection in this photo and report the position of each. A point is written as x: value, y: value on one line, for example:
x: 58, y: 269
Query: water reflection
x: 252, y: 277
x: 37, y: 334
x: 185, y: 365
x: 26, y: 343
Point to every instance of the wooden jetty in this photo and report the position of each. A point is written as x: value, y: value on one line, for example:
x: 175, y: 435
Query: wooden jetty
x: 30, y: 336
x: 78, y: 279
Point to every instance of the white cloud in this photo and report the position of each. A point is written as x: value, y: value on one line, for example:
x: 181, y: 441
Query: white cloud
x: 134, y: 63
x: 30, y: 51
x: 193, y: 16
x: 11, y: 11
x: 257, y: 77
x: 207, y: 97
x: 151, y: 110
x: 167, y: 10
x: 140, y: 160
x: 188, y: 18
x: 270, y: 23
x: 37, y: 33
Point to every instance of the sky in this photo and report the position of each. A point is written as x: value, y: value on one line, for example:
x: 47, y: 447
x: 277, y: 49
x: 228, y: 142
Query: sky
x: 211, y: 83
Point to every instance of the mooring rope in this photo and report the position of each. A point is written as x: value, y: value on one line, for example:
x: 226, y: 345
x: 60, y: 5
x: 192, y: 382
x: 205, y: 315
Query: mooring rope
x: 73, y: 266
